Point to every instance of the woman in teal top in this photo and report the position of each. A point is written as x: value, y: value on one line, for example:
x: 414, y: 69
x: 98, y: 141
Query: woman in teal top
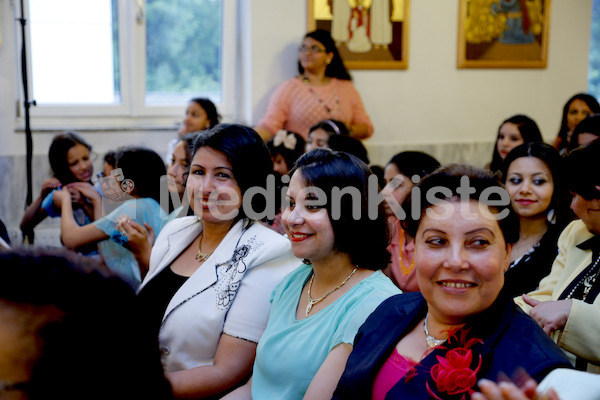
x: 317, y: 309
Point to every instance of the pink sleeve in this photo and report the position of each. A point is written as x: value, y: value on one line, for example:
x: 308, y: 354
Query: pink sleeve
x: 278, y: 109
x: 359, y: 114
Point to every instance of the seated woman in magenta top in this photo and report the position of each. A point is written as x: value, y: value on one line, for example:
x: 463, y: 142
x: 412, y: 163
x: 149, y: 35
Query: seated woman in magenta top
x: 460, y: 327
x: 317, y: 309
x: 321, y: 90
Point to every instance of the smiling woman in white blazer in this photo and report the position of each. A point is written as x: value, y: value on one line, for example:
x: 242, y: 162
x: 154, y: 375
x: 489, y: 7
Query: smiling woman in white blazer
x: 211, y: 275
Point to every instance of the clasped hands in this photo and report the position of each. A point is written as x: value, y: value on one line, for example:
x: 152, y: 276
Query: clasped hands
x: 76, y: 192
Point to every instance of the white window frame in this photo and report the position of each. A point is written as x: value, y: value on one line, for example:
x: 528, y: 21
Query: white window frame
x: 132, y: 113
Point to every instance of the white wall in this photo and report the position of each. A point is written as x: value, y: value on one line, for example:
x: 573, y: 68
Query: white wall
x: 433, y: 102
x: 430, y: 102
x: 431, y: 106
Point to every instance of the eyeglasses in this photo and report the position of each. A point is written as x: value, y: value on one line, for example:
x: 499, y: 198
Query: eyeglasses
x: 312, y: 50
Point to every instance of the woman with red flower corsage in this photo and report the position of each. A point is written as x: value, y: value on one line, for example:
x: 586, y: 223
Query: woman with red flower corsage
x: 460, y: 327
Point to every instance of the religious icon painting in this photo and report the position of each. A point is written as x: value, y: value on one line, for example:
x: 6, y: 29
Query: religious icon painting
x: 369, y: 34
x: 503, y: 33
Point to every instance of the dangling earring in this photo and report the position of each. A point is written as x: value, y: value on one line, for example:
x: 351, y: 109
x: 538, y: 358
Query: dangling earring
x: 306, y: 261
x: 551, y: 217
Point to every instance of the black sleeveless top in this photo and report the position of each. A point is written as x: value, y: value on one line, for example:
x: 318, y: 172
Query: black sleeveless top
x: 154, y: 298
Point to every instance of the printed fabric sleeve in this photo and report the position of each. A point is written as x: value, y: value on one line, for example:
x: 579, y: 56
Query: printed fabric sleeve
x: 278, y: 109
x: 359, y: 113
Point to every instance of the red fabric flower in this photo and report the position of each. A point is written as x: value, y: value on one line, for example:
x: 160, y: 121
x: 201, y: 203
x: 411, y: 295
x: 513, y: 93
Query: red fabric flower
x: 453, y: 374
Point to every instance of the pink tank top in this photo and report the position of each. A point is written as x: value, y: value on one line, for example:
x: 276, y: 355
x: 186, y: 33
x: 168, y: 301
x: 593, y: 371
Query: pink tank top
x: 394, y: 369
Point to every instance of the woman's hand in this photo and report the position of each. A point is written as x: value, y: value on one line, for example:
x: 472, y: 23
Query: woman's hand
x: 509, y: 391
x: 550, y: 315
x: 137, y: 235
x: 86, y: 190
x: 81, y: 193
x: 139, y: 241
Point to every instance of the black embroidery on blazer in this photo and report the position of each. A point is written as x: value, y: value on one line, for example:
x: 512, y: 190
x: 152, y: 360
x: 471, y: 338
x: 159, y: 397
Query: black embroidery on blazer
x: 230, y: 274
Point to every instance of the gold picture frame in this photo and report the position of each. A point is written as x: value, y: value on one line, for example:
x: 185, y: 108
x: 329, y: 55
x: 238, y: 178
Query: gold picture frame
x: 369, y: 34
x: 499, y: 34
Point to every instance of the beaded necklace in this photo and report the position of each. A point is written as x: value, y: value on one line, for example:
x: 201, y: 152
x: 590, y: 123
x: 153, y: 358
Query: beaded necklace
x: 588, y: 281
x: 319, y: 99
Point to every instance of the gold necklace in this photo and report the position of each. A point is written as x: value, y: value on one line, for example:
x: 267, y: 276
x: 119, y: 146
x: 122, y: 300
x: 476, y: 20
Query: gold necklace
x: 312, y: 302
x: 201, y: 257
x: 431, y: 341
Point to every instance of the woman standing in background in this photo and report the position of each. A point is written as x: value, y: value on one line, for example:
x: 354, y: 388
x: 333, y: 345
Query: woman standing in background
x: 321, y: 90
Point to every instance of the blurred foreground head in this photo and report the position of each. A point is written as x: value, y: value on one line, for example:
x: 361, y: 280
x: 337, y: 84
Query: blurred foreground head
x: 68, y: 331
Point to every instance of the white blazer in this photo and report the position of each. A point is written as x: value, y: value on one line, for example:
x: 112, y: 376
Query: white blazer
x: 229, y: 294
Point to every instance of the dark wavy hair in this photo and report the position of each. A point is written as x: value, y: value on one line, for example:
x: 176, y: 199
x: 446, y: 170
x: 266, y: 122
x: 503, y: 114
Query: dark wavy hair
x: 588, y: 99
x: 248, y: 155
x: 589, y: 124
x: 57, y: 155
x: 364, y: 239
x: 529, y: 130
x: 449, y: 177
x: 336, y: 68
x: 550, y: 156
x: 144, y: 167
x: 411, y: 163
x: 89, y: 313
x: 209, y: 107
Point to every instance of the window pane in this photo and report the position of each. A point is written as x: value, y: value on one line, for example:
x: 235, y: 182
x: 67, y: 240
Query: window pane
x: 74, y: 51
x: 594, y: 67
x: 183, y: 50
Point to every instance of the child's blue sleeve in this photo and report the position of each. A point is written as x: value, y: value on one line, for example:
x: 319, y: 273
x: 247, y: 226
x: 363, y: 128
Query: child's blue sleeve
x: 48, y: 205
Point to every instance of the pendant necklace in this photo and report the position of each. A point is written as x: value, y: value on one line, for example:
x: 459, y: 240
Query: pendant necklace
x: 431, y: 341
x: 312, y: 302
x: 201, y: 257
x: 319, y: 99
